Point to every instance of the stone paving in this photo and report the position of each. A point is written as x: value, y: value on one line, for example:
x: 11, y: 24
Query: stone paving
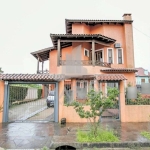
x: 38, y: 135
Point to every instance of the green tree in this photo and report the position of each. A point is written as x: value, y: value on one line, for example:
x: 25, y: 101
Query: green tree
x: 98, y: 104
x: 1, y: 70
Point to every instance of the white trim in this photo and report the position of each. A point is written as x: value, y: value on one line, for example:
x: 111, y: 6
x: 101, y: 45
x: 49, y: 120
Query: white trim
x: 122, y: 55
x: 112, y: 55
x: 87, y: 52
x: 102, y: 52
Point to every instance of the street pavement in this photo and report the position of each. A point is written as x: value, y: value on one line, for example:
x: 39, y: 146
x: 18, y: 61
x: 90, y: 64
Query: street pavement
x: 39, y: 135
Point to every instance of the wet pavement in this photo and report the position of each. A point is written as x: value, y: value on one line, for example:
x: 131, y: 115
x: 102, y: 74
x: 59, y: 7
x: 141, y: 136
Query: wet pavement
x: 38, y: 135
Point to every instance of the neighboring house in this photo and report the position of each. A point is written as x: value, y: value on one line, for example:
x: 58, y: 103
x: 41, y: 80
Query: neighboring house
x: 142, y: 76
x: 91, y: 50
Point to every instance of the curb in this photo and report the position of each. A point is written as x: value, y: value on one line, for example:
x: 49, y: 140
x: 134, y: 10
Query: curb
x: 77, y: 145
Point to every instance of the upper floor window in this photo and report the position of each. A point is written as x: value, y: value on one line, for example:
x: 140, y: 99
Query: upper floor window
x: 110, y: 55
x: 99, y: 55
x: 120, y: 56
x: 86, y: 52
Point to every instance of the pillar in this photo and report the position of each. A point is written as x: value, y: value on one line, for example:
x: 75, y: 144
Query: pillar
x: 42, y: 66
x: 1, y: 99
x: 73, y: 88
x: 122, y: 101
x: 38, y: 65
x: 61, y: 99
x: 58, y: 52
x: 93, y: 52
x: 96, y: 85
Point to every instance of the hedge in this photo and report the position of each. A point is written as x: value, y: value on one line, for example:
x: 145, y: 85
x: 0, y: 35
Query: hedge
x: 17, y: 93
x: 39, y: 93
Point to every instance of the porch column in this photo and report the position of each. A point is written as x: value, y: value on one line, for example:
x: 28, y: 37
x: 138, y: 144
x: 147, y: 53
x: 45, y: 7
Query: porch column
x: 96, y: 85
x: 58, y: 52
x: 93, y: 52
x: 42, y: 66
x: 38, y: 65
x: 61, y: 100
x: 73, y: 88
x: 2, y: 86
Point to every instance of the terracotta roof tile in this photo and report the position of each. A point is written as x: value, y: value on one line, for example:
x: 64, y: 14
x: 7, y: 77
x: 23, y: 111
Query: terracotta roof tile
x: 110, y: 77
x: 31, y: 77
x: 119, y: 70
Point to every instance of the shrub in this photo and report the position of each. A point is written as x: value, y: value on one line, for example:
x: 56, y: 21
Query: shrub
x: 98, y: 104
x: 39, y: 93
x: 140, y: 100
x: 17, y: 93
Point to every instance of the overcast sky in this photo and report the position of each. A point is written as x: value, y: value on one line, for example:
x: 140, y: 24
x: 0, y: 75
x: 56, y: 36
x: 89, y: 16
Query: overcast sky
x: 25, y: 26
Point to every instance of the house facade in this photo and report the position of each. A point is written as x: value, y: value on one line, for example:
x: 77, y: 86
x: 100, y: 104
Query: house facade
x: 92, y: 53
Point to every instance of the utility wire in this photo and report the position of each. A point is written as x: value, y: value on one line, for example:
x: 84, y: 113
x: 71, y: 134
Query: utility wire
x: 141, y: 32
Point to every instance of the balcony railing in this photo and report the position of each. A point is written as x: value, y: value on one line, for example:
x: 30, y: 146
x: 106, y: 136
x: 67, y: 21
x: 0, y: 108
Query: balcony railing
x: 83, y: 63
x: 43, y: 72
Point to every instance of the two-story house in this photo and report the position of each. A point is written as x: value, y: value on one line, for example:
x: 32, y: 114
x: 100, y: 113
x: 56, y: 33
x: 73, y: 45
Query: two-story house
x: 91, y: 50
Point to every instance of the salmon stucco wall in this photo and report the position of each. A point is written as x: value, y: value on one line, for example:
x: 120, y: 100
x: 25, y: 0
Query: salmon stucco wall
x: 136, y: 113
x: 78, y: 28
x: 1, y: 99
x: 132, y: 113
x: 68, y: 112
x: 53, y: 62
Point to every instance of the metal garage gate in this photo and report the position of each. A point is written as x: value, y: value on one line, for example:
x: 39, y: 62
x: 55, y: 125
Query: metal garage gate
x: 31, y: 102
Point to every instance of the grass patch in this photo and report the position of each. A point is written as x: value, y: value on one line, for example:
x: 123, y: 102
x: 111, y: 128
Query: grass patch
x: 146, y: 134
x: 103, y: 135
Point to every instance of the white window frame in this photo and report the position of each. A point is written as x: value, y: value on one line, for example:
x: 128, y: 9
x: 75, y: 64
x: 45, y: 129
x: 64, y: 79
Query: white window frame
x: 102, y: 52
x: 83, y: 83
x: 112, y: 55
x: 122, y: 55
x: 87, y: 52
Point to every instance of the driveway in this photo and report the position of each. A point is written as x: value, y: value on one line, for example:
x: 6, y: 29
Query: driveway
x: 35, y: 110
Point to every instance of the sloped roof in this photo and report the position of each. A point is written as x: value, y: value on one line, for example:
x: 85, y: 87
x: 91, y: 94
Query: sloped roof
x: 110, y: 77
x: 43, y: 54
x: 91, y: 22
x: 31, y: 77
x: 98, y: 37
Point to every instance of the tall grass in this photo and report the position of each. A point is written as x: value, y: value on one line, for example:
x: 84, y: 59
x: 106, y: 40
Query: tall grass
x: 103, y: 135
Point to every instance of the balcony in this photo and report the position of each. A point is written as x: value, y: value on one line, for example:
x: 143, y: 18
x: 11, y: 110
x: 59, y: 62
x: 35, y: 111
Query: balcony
x: 83, y: 63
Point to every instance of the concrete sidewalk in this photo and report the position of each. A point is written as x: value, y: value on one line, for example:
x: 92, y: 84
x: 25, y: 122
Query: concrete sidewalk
x: 39, y: 135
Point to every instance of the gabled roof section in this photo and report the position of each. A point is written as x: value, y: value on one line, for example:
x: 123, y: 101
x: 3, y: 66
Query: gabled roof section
x: 42, y: 54
x: 91, y: 22
x: 110, y: 77
x: 67, y: 39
